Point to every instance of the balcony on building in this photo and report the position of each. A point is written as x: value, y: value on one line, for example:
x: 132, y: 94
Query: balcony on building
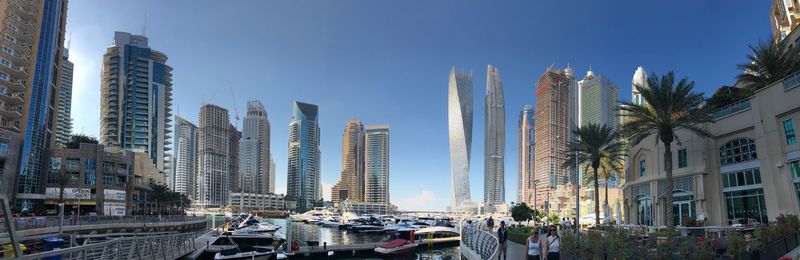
x: 10, y: 112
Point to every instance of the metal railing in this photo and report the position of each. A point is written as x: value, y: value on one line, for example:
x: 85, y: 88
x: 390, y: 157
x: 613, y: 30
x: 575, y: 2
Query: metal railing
x: 27, y: 223
x: 482, y: 243
x: 791, y: 81
x: 732, y: 108
x: 165, y: 246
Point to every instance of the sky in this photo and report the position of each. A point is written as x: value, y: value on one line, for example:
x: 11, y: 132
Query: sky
x: 387, y: 62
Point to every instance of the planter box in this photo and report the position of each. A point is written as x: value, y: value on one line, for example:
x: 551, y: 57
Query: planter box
x: 791, y: 242
x: 774, y: 250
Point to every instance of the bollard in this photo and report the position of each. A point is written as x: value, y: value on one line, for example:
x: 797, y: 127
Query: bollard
x: 325, y: 245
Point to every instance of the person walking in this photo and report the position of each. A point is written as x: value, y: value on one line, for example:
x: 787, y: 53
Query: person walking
x: 534, y: 245
x: 502, y: 238
x: 553, y: 245
x: 490, y: 223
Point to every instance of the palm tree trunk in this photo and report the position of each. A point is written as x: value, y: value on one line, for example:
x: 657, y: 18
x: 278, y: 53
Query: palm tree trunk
x: 605, y: 206
x: 668, y: 197
x: 596, y: 198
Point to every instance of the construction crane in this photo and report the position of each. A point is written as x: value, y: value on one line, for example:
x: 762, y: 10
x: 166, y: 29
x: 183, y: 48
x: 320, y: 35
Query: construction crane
x: 235, y: 109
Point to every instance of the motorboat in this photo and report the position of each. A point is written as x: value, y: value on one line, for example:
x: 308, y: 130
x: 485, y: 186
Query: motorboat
x: 244, y: 238
x: 331, y: 219
x: 435, y: 232
x: 371, y: 225
x: 257, y: 228
x: 311, y: 216
x: 245, y: 252
x: 396, y: 247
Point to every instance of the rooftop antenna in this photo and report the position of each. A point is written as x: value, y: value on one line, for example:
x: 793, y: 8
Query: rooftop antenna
x: 235, y: 109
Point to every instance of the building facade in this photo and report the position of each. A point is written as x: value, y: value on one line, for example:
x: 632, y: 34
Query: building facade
x: 64, y: 114
x: 248, y: 202
x: 136, y: 98
x: 97, y: 179
x: 494, y: 189
x: 459, y: 114
x: 213, y: 178
x: 598, y: 105
x: 376, y: 166
x: 552, y: 132
x: 785, y: 16
x: 748, y: 168
x: 351, y: 181
x: 303, y: 185
x: 184, y: 164
x: 526, y: 145
x: 31, y: 64
x: 234, y: 138
x: 254, y: 153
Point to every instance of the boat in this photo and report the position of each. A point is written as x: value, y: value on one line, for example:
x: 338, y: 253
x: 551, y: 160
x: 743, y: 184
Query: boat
x: 254, y: 239
x: 257, y: 228
x: 245, y: 252
x: 396, y: 247
x: 435, y: 232
x: 371, y: 225
x: 311, y: 216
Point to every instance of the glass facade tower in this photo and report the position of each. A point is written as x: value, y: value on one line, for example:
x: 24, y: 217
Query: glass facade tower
x: 494, y: 141
x: 303, y: 171
x: 459, y: 114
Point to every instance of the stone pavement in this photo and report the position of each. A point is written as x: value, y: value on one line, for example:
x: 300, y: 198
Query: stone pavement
x: 515, y: 250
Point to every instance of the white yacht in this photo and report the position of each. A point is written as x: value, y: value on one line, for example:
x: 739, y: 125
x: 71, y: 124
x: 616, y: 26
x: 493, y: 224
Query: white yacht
x: 311, y: 216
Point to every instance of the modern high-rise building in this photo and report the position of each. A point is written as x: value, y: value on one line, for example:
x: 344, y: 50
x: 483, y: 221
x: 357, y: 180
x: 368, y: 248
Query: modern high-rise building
x: 785, y: 17
x: 459, y: 114
x: 184, y: 164
x: 235, y: 136
x: 376, y: 183
x: 351, y: 182
x: 574, y: 116
x: 136, y: 98
x: 271, y: 174
x: 214, y: 140
x: 526, y: 144
x: 64, y: 119
x: 30, y: 65
x: 303, y: 184
x: 552, y: 132
x: 598, y: 100
x: 598, y: 105
x: 494, y: 141
x: 254, y: 154
x: 639, y: 79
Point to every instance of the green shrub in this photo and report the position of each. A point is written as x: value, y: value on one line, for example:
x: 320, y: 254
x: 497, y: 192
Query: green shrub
x: 735, y: 244
x: 665, y: 233
x: 789, y: 222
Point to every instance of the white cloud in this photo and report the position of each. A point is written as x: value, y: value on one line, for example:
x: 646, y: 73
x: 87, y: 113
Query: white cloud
x: 426, y: 200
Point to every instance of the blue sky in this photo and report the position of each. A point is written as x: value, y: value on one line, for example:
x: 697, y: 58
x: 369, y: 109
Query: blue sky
x: 386, y: 62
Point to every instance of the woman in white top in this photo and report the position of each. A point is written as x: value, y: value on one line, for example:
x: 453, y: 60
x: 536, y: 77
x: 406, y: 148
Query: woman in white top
x: 553, y: 244
x: 534, y: 245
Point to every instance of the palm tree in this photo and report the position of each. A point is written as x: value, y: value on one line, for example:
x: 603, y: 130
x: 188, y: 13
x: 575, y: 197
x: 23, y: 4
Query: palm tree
x: 768, y: 63
x: 594, y: 144
x: 75, y: 141
x: 667, y: 107
x: 63, y: 180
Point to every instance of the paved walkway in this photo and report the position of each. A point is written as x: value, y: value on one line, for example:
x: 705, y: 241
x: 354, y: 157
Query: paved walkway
x: 794, y: 253
x: 515, y: 250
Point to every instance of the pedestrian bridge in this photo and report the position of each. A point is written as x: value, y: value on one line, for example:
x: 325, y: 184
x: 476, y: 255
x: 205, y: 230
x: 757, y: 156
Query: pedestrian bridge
x: 478, y: 242
x: 159, y: 246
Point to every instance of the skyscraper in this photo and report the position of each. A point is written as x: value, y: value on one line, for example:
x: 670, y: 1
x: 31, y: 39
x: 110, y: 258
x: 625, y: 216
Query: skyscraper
x: 494, y: 141
x: 34, y: 37
x: 64, y: 119
x: 598, y: 97
x: 526, y: 144
x: 303, y: 172
x: 377, y: 164
x: 598, y: 105
x: 234, y: 137
x: 254, y: 156
x: 185, y: 159
x: 639, y: 79
x: 136, y: 98
x: 271, y: 174
x: 214, y: 140
x: 459, y: 114
x: 351, y: 182
x: 552, y: 131
x: 785, y: 17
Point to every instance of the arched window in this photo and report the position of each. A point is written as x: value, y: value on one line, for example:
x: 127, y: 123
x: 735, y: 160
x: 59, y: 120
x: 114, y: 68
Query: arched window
x: 738, y: 150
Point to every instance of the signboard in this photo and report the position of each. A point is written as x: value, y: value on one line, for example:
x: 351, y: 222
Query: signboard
x: 115, y: 195
x: 69, y: 193
x: 114, y: 209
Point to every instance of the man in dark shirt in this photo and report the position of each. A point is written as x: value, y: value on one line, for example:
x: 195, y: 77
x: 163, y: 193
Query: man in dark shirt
x: 502, y: 237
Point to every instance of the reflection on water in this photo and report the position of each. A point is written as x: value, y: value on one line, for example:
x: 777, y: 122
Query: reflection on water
x: 334, y: 236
